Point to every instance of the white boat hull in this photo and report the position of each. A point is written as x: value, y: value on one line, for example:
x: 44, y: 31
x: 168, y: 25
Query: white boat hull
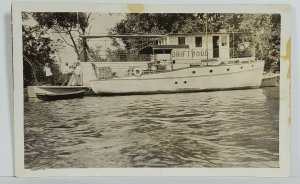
x: 223, y: 77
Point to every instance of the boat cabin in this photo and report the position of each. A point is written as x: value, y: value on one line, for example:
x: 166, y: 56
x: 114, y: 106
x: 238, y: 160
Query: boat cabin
x: 191, y: 47
x: 165, y: 53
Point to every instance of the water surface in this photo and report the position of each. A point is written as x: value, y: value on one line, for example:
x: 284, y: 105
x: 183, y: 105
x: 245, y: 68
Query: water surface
x: 209, y: 129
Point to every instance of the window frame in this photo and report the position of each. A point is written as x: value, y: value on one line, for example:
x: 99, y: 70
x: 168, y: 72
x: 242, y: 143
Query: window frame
x: 181, y: 37
x: 201, y: 43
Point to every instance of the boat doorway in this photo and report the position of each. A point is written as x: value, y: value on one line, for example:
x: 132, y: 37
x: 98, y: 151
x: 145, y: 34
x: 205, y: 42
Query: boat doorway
x: 216, y: 51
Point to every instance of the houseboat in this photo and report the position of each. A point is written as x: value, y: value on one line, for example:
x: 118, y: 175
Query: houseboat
x: 181, y: 63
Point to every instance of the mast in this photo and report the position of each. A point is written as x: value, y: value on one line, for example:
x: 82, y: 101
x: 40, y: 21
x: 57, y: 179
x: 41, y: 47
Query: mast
x: 233, y: 54
x: 206, y: 22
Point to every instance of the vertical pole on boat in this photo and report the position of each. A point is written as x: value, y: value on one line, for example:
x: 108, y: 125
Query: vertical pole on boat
x: 206, y: 35
x: 253, y: 47
x: 105, y: 53
x: 233, y: 54
x: 153, y: 56
x: 254, y: 52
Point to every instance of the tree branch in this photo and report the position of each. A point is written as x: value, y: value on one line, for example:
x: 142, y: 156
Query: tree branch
x: 65, y: 40
x: 90, y: 30
x: 74, y: 43
x: 69, y: 30
x: 88, y: 17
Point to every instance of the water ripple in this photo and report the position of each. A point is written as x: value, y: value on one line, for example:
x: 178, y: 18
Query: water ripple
x: 215, y: 129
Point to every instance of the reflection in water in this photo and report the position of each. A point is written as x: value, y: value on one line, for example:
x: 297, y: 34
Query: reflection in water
x: 214, y: 129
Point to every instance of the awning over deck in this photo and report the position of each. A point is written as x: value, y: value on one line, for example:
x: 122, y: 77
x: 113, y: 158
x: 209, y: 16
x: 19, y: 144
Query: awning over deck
x: 119, y: 36
x: 161, y: 49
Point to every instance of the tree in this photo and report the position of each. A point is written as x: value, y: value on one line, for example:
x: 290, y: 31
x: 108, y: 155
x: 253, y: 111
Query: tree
x: 38, y: 49
x: 146, y: 23
x: 266, y: 38
x: 264, y: 30
x: 274, y: 40
x: 67, y: 24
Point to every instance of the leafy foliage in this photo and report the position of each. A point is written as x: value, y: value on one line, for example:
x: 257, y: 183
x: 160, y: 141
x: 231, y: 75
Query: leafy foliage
x: 38, y: 49
x: 264, y: 30
x: 67, y: 24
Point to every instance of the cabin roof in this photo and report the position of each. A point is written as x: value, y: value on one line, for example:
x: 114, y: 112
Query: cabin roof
x: 203, y: 34
x: 91, y: 36
x: 195, y: 34
x: 120, y: 36
x: 150, y: 49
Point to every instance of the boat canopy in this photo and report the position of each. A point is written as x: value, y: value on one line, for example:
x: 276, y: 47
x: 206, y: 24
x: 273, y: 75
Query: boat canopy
x: 120, y: 36
x: 161, y: 49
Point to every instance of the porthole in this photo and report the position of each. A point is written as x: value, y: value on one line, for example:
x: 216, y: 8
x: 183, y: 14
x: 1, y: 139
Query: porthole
x: 228, y: 69
x: 184, y: 82
x: 211, y: 71
x: 194, y: 72
x: 176, y: 82
x: 252, y: 65
x: 241, y: 67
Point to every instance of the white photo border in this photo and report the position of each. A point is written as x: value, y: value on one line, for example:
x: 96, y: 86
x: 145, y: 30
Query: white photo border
x: 285, y: 87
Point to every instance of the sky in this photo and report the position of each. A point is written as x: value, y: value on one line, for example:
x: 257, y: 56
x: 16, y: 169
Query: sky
x: 100, y: 23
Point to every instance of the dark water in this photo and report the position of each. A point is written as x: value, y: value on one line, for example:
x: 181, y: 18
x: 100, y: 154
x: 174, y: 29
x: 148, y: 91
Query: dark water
x: 213, y: 129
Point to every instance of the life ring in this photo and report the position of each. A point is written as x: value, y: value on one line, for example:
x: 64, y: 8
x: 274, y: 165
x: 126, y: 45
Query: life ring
x: 137, y: 71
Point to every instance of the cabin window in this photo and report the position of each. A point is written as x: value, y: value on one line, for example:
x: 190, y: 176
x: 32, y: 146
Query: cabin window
x: 181, y: 40
x: 224, y: 40
x: 198, y: 41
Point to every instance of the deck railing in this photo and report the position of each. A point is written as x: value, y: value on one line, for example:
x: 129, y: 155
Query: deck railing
x: 123, y: 56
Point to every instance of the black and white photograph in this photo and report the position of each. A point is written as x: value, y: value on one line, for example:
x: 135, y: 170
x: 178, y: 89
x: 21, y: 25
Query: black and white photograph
x: 144, y: 89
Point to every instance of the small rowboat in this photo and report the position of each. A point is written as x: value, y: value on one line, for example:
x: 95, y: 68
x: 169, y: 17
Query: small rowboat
x: 60, y: 96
